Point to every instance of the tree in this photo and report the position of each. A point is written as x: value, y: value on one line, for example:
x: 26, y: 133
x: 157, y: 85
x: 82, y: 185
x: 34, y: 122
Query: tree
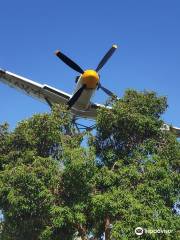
x: 54, y: 186
x: 37, y: 159
x: 138, y: 168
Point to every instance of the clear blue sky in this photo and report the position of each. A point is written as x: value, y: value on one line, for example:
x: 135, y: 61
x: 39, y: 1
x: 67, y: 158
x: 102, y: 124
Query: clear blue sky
x: 147, y: 33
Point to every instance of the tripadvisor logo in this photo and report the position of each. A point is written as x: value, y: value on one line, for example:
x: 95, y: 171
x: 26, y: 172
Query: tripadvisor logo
x: 139, y: 231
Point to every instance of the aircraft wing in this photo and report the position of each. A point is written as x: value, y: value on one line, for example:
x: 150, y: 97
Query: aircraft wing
x: 176, y: 130
x: 166, y: 127
x: 90, y: 112
x: 44, y: 93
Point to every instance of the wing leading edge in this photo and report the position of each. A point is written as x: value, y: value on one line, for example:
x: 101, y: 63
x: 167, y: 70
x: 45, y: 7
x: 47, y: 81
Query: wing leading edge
x: 34, y: 89
x: 43, y: 92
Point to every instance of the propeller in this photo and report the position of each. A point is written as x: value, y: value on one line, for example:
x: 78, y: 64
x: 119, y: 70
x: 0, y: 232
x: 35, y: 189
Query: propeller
x: 78, y: 69
x: 75, y: 97
x: 69, y: 62
x: 106, y: 57
x: 107, y: 91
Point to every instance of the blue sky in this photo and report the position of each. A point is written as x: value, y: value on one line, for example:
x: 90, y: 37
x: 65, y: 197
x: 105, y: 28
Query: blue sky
x: 148, y: 57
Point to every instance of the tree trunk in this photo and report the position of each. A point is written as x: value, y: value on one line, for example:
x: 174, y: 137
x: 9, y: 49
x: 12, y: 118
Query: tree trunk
x: 82, y: 231
x: 107, y: 228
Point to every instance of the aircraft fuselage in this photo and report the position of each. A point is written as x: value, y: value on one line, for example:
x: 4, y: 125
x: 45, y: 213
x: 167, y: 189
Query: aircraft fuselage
x: 90, y: 78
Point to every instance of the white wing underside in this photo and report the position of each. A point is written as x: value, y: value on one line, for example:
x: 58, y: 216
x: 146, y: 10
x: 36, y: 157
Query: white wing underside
x: 45, y: 93
x: 167, y: 127
x: 52, y: 95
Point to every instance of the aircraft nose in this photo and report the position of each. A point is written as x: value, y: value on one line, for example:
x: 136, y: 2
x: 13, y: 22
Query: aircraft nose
x: 90, y: 78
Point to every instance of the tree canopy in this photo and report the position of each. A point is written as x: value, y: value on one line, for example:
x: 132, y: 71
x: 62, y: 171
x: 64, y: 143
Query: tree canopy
x: 55, y: 186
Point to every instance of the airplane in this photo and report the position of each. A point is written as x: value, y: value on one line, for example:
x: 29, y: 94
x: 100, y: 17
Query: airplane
x: 79, y: 102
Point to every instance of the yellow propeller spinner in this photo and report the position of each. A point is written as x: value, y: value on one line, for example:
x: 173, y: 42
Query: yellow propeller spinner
x: 90, y: 78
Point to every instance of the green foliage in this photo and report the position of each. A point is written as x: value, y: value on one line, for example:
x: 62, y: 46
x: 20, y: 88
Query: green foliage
x: 138, y: 176
x: 133, y: 120
x: 54, y: 187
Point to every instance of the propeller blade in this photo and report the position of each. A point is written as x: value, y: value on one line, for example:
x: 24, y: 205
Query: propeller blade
x: 108, y: 92
x: 106, y: 57
x: 75, y: 97
x: 69, y: 62
x: 76, y: 79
